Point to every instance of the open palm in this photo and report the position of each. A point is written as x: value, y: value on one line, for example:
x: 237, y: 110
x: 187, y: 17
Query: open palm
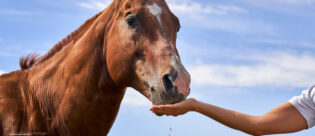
x: 174, y: 109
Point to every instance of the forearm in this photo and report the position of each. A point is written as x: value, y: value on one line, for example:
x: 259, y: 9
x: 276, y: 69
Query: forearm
x: 246, y: 123
x: 281, y: 119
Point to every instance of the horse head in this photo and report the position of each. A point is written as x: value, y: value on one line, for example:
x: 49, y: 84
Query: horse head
x: 141, y: 50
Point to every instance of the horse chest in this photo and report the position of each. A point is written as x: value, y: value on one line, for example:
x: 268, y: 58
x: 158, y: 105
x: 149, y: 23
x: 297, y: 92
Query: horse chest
x: 92, y: 116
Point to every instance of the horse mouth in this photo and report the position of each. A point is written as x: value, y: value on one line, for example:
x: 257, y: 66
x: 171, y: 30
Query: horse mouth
x: 163, y: 97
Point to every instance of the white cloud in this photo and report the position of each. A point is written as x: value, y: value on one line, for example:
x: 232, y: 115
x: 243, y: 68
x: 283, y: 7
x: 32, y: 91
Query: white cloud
x: 296, y: 1
x: 1, y: 72
x: 279, y: 69
x: 229, y: 18
x: 299, y: 7
x: 272, y: 41
x: 98, y: 5
x: 285, y: 42
x: 237, y: 25
x: 15, y: 12
x: 195, y: 8
x: 7, y: 54
x: 11, y: 50
x: 134, y: 98
x: 274, y: 3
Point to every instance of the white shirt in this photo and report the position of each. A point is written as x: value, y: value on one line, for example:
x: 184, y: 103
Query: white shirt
x: 305, y: 104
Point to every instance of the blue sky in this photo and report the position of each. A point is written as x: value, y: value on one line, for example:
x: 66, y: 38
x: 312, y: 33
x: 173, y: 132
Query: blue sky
x: 244, y: 55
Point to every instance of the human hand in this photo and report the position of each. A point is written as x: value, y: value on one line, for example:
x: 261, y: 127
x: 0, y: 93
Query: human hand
x: 174, y: 109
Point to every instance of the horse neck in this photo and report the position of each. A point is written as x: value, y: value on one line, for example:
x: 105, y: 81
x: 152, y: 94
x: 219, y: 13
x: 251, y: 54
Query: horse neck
x: 74, y: 85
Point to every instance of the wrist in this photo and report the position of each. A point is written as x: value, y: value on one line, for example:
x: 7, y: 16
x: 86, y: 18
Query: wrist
x: 194, y: 105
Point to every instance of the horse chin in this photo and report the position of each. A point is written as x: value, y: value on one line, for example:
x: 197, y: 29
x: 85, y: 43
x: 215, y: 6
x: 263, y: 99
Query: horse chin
x: 162, y: 98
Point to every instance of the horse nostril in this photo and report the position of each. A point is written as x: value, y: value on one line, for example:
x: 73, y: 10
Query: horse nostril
x: 173, y: 75
x: 152, y: 89
x: 167, y: 82
x: 168, y: 85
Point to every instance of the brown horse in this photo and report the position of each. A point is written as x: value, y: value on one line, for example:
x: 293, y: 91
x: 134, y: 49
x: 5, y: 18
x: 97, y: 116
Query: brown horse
x: 77, y: 87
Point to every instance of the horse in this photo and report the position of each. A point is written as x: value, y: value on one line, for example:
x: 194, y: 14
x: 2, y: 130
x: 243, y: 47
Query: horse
x: 76, y: 88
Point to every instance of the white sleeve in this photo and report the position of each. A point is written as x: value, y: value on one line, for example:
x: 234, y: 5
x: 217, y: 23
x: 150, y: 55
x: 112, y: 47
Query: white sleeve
x: 305, y: 104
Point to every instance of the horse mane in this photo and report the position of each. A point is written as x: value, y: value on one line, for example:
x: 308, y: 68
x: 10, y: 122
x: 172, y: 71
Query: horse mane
x: 33, y: 59
x: 44, y: 95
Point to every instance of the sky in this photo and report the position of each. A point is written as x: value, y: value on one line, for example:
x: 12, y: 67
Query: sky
x: 244, y: 55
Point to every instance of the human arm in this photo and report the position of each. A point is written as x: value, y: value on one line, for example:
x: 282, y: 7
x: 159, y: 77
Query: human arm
x: 281, y: 119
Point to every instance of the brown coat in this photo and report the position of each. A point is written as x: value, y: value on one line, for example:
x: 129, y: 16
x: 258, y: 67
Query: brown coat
x: 77, y: 87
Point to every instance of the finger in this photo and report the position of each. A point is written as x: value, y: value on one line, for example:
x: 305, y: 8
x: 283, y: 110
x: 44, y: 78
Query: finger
x: 157, y: 112
x: 154, y: 108
x: 166, y: 107
x: 166, y: 111
x: 160, y: 111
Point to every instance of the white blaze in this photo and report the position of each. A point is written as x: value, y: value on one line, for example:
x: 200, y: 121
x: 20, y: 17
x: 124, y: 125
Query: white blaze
x: 156, y: 11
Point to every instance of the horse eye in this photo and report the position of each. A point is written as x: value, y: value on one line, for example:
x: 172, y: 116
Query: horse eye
x: 178, y: 28
x: 132, y: 23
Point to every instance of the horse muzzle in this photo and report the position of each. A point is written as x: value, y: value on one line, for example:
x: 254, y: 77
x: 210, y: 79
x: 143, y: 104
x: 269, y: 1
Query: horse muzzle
x: 174, y: 88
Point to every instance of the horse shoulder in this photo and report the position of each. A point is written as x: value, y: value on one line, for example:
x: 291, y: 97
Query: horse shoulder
x: 10, y: 85
x: 10, y: 102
